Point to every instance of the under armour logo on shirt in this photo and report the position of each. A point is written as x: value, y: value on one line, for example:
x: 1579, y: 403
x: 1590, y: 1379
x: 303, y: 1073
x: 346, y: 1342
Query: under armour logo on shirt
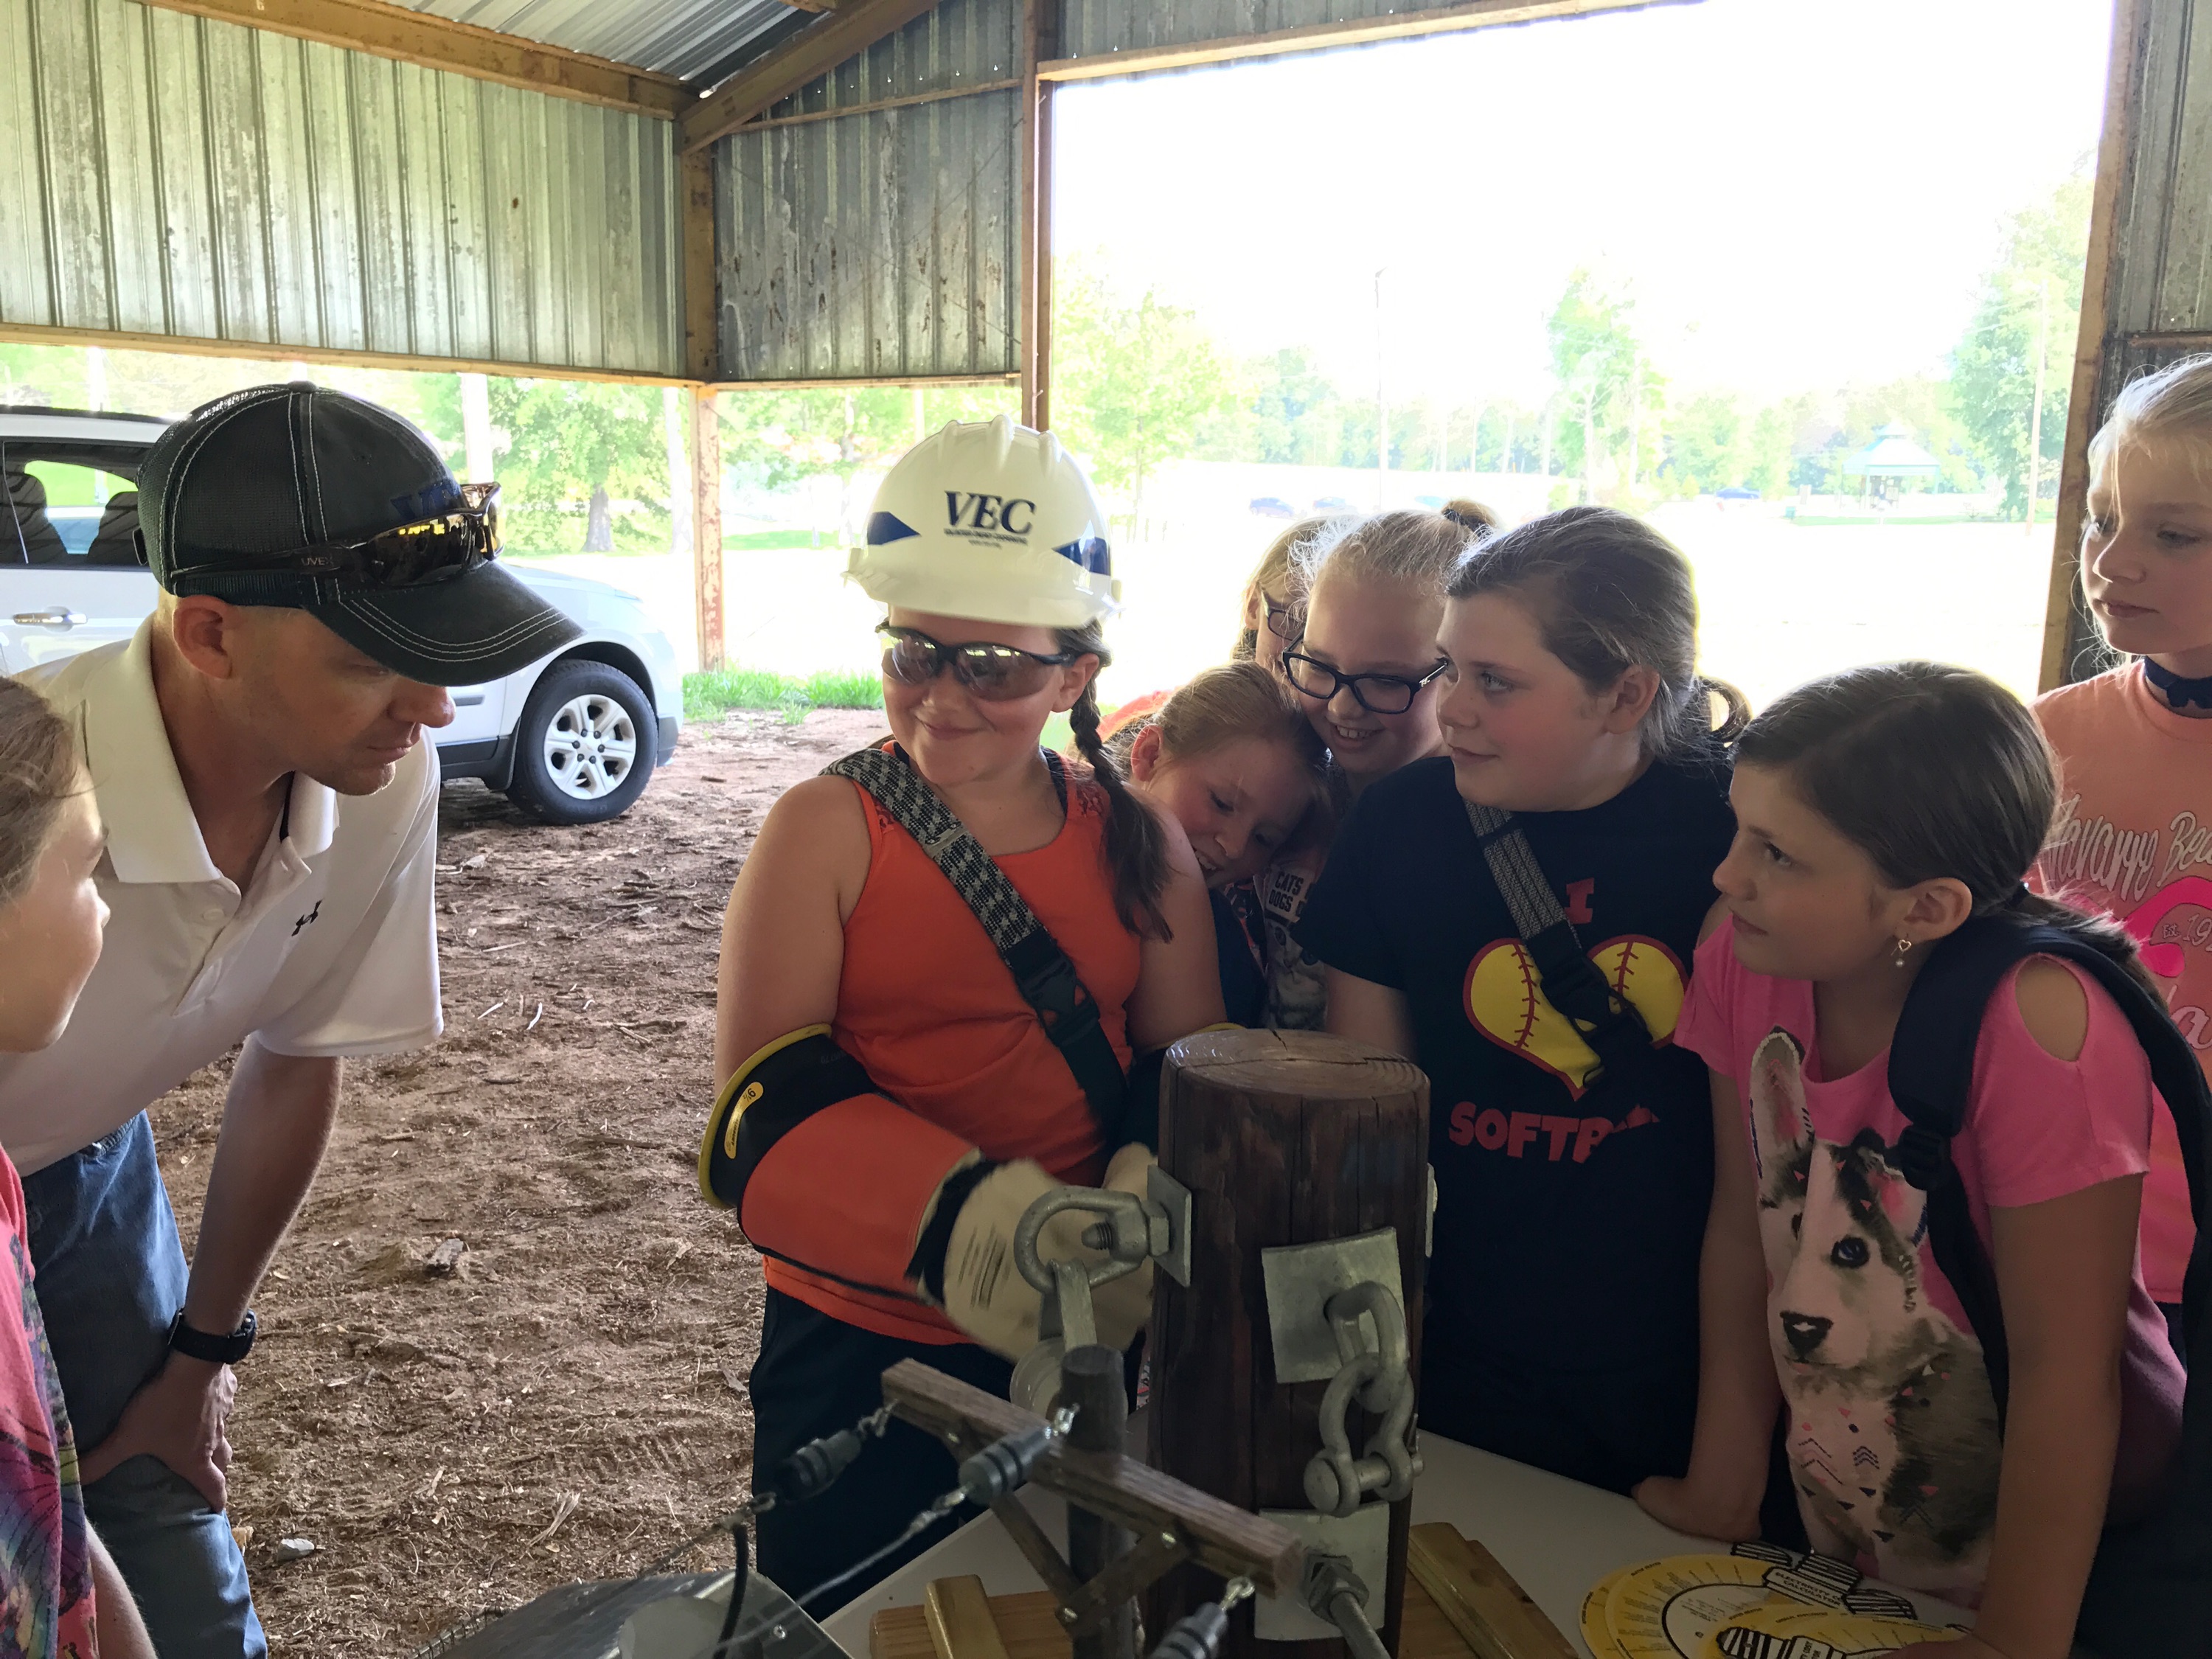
x: 308, y: 919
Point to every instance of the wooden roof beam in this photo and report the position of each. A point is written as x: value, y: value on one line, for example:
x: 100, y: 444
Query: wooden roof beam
x: 811, y: 53
x: 1452, y: 17
x: 413, y: 37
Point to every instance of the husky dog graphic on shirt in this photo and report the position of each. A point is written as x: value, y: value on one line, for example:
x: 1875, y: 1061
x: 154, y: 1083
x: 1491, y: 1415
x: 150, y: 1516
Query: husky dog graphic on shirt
x: 1893, y: 1437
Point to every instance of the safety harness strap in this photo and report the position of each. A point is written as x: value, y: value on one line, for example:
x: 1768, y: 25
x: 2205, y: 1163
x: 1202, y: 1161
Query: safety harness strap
x: 1042, y: 971
x: 1609, y: 1023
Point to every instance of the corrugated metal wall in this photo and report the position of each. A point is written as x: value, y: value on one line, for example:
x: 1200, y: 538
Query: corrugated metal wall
x: 166, y: 175
x: 2162, y: 266
x: 880, y: 246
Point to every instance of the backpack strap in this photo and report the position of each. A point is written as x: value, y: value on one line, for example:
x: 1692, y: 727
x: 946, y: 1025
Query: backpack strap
x: 1931, y: 1075
x: 1611, y: 1024
x: 1042, y: 972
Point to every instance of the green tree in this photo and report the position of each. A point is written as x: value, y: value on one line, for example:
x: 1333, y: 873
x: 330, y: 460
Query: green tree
x: 1291, y: 406
x: 1704, y: 444
x: 1608, y: 389
x: 574, y: 444
x: 2035, y: 290
x: 1137, y: 379
x: 772, y: 439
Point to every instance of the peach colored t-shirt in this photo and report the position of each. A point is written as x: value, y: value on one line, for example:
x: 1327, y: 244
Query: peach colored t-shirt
x: 2134, y: 840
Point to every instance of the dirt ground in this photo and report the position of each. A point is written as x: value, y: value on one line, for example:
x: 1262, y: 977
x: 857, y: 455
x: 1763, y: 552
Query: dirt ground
x: 568, y: 1402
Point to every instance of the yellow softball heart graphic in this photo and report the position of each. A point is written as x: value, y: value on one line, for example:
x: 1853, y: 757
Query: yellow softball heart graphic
x: 1504, y: 999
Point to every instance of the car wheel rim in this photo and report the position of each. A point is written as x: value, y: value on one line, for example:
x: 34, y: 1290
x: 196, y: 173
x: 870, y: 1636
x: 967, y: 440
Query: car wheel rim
x: 590, y: 744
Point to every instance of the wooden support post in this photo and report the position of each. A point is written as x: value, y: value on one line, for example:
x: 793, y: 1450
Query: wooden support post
x: 1092, y: 1383
x: 1040, y: 39
x: 702, y: 348
x: 2094, y: 344
x: 1287, y: 1138
x: 707, y: 523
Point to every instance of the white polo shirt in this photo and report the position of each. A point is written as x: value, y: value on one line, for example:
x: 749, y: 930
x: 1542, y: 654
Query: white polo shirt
x: 332, y: 949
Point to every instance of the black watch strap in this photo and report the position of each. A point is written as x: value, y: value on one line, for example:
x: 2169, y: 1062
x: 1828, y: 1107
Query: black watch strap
x: 215, y: 1350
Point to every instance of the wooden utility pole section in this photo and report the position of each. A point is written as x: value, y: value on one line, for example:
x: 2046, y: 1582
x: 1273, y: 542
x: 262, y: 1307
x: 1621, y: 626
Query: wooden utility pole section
x: 706, y: 523
x: 1288, y: 1138
x: 1040, y: 39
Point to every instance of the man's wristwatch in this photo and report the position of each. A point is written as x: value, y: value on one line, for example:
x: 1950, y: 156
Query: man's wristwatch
x: 215, y: 1350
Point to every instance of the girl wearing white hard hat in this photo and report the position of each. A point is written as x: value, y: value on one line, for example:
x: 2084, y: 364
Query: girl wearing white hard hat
x: 892, y: 1096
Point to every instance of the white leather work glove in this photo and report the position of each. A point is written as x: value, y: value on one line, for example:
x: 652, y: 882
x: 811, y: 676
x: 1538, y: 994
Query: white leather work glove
x: 984, y: 1294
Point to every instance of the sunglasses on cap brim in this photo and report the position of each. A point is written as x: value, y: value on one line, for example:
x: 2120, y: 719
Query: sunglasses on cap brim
x: 427, y: 550
x: 986, y: 669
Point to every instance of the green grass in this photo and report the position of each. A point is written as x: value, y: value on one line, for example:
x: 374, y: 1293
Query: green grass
x: 776, y: 538
x: 713, y: 692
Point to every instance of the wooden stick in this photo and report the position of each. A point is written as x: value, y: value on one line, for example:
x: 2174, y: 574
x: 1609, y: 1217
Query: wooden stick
x: 1484, y: 1603
x: 961, y: 1625
x: 1225, y: 1539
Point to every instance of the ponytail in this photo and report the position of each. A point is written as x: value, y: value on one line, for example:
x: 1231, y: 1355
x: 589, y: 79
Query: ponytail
x: 1931, y: 771
x: 2098, y: 932
x: 1737, y: 707
x: 1136, y: 850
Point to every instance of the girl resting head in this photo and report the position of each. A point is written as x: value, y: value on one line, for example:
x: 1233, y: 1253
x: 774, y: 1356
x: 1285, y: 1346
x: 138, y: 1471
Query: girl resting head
x: 1236, y: 764
x: 1367, y: 662
x: 1571, y: 648
x: 51, y: 841
x: 2146, y: 538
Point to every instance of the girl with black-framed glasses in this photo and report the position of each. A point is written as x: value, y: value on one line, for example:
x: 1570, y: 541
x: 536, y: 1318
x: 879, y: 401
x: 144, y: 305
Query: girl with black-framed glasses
x: 1364, y: 667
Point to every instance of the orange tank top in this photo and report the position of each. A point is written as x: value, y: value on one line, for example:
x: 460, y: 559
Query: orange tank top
x: 926, y: 1005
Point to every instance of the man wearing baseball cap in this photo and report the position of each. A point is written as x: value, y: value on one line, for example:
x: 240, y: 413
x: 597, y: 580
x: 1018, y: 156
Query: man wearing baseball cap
x: 258, y: 757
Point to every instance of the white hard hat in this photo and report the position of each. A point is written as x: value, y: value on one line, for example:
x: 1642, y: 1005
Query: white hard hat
x: 991, y: 521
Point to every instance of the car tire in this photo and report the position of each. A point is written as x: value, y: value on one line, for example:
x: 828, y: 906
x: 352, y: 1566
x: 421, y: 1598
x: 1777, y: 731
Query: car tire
x: 584, y: 748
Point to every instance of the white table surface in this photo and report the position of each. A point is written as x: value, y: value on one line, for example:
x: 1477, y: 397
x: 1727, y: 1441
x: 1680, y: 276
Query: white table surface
x: 1557, y: 1537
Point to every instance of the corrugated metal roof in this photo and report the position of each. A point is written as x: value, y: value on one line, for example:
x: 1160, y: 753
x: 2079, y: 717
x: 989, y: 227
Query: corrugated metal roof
x: 683, y: 38
x: 170, y: 174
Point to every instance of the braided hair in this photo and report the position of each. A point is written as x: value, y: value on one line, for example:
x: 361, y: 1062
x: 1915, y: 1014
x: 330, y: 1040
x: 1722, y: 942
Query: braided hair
x: 1136, y: 849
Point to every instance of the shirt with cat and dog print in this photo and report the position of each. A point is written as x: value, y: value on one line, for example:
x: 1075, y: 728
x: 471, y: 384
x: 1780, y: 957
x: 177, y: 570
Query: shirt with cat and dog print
x: 1892, y: 1430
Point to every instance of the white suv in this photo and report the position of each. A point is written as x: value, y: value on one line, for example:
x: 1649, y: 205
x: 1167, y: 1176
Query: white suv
x: 573, y: 738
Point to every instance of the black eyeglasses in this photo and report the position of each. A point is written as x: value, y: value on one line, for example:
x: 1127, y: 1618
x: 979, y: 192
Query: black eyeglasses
x: 1390, y: 694
x: 994, y: 672
x: 428, y: 550
x: 1284, y: 622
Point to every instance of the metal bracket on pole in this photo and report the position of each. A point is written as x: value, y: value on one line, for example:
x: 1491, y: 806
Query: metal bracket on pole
x: 1336, y: 1312
x: 1131, y: 1231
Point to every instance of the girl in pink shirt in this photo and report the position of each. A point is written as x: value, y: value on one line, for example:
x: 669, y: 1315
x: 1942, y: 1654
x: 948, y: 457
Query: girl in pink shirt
x: 2134, y: 837
x: 1876, y: 812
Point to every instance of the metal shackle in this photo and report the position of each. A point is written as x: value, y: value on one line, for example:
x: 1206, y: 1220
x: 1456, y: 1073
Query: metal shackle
x: 1132, y: 1231
x: 1381, y: 1378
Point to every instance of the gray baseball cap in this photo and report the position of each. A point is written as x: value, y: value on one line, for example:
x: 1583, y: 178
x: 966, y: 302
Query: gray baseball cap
x: 301, y: 496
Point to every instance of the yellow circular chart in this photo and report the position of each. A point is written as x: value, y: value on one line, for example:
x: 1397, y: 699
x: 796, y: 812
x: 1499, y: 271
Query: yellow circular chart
x: 1780, y: 1630
x: 1596, y: 1632
x: 1667, y: 1609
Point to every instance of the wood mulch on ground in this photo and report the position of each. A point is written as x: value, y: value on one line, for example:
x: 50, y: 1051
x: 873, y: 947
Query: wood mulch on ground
x: 506, y: 1345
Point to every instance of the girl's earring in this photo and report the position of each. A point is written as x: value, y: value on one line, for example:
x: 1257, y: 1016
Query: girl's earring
x: 1904, y: 953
